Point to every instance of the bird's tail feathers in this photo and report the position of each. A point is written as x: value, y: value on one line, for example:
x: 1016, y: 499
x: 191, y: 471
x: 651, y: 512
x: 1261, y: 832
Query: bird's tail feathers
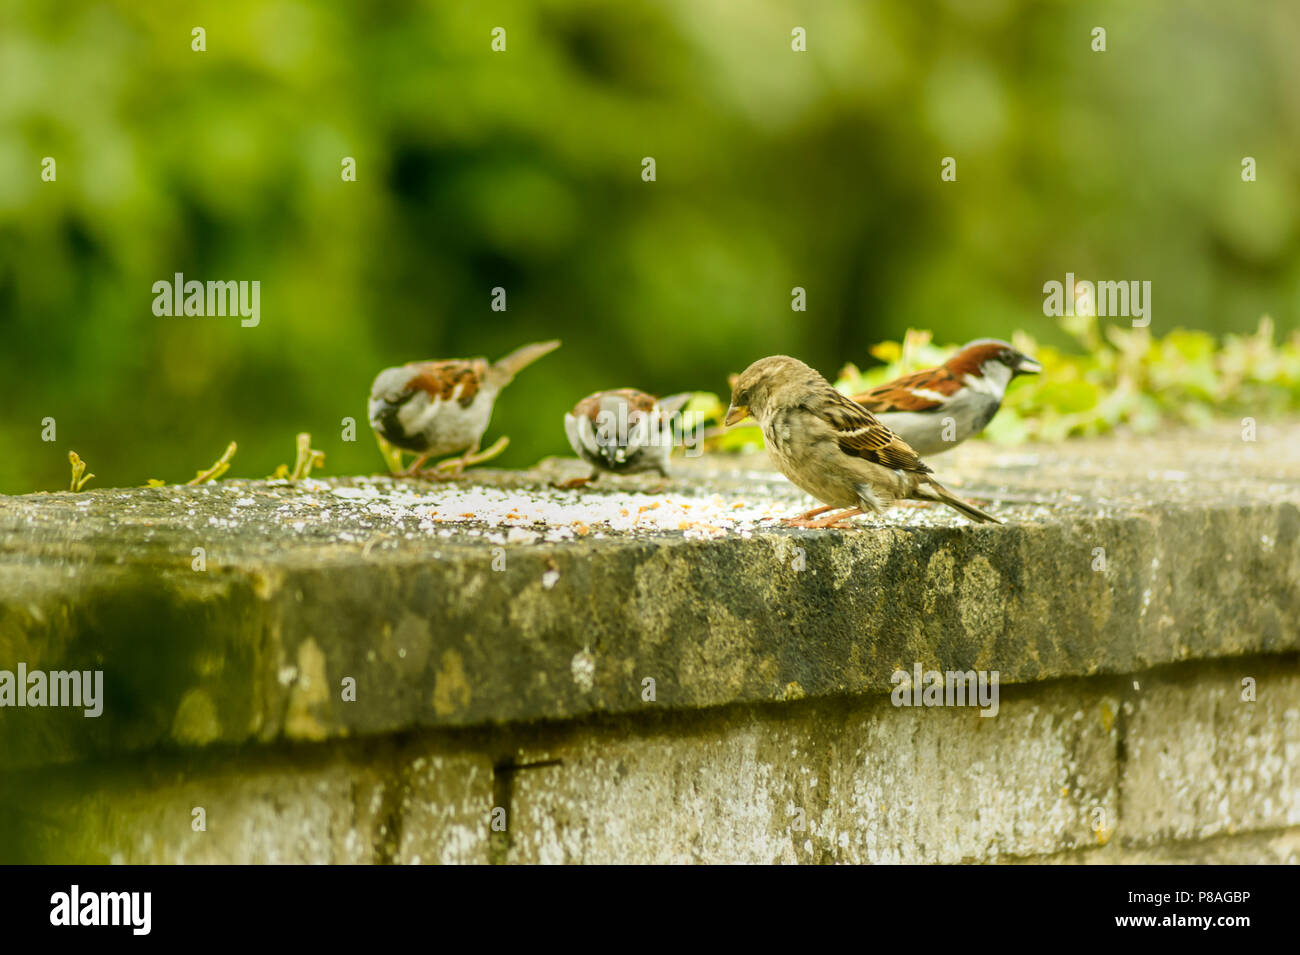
x: 505, y: 369
x: 934, y: 491
x: 672, y: 404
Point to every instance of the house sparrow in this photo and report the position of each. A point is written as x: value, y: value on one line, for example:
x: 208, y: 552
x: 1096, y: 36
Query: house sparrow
x: 622, y: 431
x: 830, y: 446
x: 438, y: 408
x: 939, y: 408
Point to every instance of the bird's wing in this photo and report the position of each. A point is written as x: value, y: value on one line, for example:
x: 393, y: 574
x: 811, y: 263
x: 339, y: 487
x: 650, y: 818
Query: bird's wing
x: 919, y: 391
x: 581, y: 435
x: 455, y: 380
x: 860, y: 434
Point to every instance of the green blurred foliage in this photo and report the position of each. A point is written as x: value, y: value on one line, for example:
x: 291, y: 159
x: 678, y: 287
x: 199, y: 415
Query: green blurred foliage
x: 1121, y: 376
x: 522, y: 169
x: 1115, y: 376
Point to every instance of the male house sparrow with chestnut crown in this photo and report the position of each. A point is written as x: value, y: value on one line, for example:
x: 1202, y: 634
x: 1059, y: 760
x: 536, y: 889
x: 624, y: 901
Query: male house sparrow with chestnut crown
x: 437, y: 408
x: 623, y: 431
x: 939, y: 408
x: 830, y: 446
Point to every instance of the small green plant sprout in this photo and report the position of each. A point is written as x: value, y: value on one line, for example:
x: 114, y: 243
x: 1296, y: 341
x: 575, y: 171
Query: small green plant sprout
x: 221, y: 466
x: 79, y: 475
x: 307, y: 458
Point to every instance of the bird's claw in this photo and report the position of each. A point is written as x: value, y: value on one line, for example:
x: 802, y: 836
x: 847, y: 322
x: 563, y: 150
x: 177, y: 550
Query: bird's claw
x: 452, y: 468
x: 837, y: 520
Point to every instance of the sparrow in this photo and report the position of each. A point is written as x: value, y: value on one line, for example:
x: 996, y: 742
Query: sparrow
x: 831, y: 447
x: 939, y: 408
x: 437, y: 408
x: 622, y: 431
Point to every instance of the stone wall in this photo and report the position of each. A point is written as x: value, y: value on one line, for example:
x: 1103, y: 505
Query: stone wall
x: 539, y: 689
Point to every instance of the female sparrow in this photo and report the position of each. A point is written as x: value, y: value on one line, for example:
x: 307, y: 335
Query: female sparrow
x: 623, y: 431
x: 441, y: 407
x: 830, y: 446
x: 939, y: 408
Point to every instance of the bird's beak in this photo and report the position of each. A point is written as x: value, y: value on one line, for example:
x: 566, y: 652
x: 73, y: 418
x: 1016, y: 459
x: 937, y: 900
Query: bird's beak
x: 1027, y: 366
x: 735, y: 415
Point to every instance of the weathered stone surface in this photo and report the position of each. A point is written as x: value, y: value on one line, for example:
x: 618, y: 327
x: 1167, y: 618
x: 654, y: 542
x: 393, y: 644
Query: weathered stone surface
x: 444, y: 811
x: 306, y: 586
x: 360, y: 671
x: 1202, y: 761
x: 278, y: 808
x: 830, y: 782
x: 1080, y: 771
x: 1248, y: 848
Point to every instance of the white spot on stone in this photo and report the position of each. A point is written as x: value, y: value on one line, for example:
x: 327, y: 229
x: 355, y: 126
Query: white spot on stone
x: 583, y: 668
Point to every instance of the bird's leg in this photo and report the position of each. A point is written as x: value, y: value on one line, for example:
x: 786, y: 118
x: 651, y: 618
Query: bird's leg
x: 828, y: 521
x: 807, y: 515
x: 834, y: 519
x: 452, y: 467
x: 414, y: 469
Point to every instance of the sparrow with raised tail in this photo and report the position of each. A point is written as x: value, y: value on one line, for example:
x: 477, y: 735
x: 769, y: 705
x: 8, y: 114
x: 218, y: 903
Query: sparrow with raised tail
x: 939, y: 408
x: 831, y: 447
x: 437, y: 408
x: 622, y: 431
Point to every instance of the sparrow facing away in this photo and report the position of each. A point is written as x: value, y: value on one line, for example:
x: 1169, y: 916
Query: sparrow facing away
x: 967, y: 389
x: 623, y: 431
x: 437, y: 408
x: 830, y: 446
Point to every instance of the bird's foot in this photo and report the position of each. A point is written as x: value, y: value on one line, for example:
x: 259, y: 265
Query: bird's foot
x: 836, y: 521
x: 572, y: 484
x: 414, y: 469
x: 452, y: 468
x: 801, y: 520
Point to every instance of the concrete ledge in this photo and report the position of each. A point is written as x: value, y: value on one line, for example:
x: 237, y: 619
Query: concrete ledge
x: 461, y: 622
x: 500, y: 635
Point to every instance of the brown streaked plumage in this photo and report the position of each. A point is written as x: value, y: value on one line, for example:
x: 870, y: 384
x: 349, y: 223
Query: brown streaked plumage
x: 622, y: 430
x: 831, y: 447
x: 589, y: 407
x: 437, y: 408
x: 450, y: 380
x: 938, y: 408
